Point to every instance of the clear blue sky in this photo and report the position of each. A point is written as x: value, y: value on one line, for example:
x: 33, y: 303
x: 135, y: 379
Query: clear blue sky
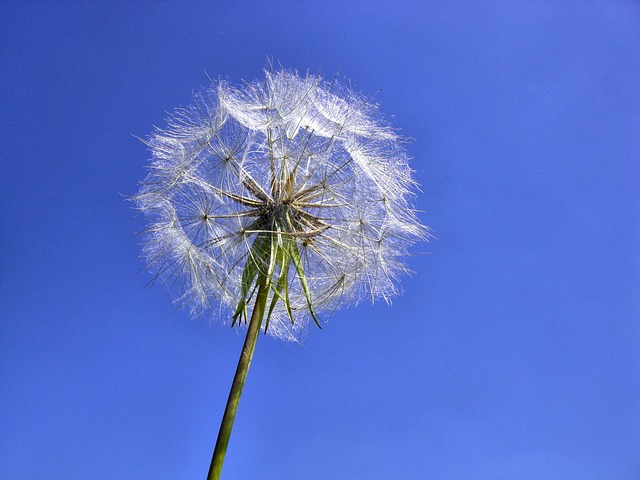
x: 514, y: 352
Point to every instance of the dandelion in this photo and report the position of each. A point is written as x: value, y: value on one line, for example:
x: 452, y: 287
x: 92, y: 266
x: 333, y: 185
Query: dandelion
x: 290, y: 196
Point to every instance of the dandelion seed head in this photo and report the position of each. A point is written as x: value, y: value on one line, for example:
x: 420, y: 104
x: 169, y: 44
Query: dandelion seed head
x: 294, y: 177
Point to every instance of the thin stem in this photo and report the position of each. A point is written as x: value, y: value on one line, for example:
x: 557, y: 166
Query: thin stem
x: 239, y: 378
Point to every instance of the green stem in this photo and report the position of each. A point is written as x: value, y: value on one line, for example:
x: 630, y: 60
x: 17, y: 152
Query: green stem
x: 239, y: 378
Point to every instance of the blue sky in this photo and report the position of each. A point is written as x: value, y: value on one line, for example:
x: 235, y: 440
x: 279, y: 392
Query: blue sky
x: 513, y: 352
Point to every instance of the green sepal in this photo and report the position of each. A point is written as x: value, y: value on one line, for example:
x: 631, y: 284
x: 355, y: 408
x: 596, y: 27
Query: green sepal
x: 251, y: 271
x: 284, y: 262
x: 268, y: 254
x: 297, y: 262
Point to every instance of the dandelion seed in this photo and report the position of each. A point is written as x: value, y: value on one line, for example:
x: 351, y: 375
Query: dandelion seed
x: 291, y: 194
x: 296, y: 163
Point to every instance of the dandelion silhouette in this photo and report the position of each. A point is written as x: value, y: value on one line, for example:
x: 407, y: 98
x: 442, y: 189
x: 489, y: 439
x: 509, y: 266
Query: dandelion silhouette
x: 291, y: 195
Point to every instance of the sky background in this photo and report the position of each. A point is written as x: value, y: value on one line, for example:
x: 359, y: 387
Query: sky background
x: 514, y: 351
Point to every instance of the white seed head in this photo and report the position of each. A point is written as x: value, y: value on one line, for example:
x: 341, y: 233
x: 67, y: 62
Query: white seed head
x: 300, y: 172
